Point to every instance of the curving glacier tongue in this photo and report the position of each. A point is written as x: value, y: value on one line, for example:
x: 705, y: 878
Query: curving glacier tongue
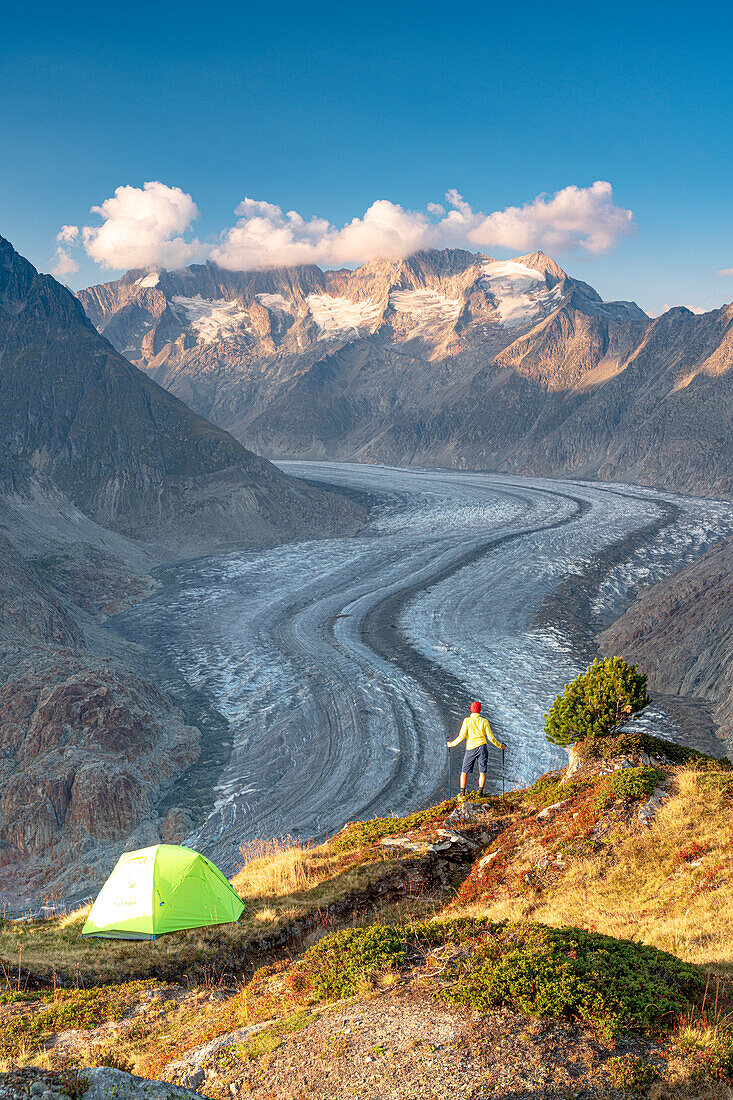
x: 342, y: 664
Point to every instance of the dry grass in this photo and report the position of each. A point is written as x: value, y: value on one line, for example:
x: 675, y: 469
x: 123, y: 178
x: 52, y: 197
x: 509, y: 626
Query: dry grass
x: 670, y: 885
x: 283, y: 867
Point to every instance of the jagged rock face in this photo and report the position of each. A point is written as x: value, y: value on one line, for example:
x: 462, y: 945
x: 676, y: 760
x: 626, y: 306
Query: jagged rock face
x: 84, y: 753
x: 679, y: 632
x: 446, y: 358
x: 665, y: 419
x: 28, y: 608
x: 126, y: 452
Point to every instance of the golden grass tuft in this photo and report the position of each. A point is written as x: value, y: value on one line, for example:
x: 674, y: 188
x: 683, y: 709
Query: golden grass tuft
x: 283, y: 867
x: 74, y: 917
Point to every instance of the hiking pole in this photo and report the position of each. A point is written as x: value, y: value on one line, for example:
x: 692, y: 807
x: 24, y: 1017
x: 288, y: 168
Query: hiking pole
x: 502, y: 773
x: 448, y: 773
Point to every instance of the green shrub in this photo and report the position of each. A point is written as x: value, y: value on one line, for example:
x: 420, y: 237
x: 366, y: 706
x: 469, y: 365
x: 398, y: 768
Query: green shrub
x: 548, y: 789
x: 632, y: 1073
x: 597, y: 703
x: 70, y: 1008
x: 633, y: 742
x: 611, y: 984
x: 362, y: 834
x: 14, y: 996
x: 628, y: 785
x: 338, y: 965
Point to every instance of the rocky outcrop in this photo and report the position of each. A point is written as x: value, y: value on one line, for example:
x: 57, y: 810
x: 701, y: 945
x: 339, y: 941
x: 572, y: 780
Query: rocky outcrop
x: 95, y: 1083
x: 680, y: 634
x: 446, y: 358
x: 86, y: 752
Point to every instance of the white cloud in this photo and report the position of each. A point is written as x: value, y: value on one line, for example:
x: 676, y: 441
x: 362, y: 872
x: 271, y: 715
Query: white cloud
x: 264, y: 236
x: 68, y: 234
x: 144, y: 227
x: 726, y: 271
x: 574, y: 219
x: 147, y: 226
x: 65, y: 264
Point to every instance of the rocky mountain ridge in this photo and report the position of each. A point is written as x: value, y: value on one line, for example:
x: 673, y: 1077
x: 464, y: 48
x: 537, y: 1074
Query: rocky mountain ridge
x: 88, y: 745
x: 447, y: 358
x: 127, y: 453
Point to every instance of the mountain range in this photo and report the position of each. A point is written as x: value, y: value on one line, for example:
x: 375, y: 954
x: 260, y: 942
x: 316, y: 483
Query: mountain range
x: 447, y: 358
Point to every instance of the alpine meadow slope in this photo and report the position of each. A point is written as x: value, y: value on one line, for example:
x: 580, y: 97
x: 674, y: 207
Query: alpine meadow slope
x: 447, y: 358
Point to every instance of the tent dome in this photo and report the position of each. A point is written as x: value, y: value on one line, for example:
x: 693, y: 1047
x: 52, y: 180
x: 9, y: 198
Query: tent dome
x: 164, y: 888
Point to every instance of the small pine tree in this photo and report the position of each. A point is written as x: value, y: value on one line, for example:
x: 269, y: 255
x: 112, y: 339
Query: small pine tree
x: 597, y: 703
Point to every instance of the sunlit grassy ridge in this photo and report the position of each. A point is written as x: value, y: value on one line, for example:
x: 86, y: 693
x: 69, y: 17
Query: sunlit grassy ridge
x: 669, y: 885
x: 290, y: 882
x: 565, y: 905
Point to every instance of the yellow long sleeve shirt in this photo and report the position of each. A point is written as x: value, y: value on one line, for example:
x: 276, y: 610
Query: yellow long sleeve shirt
x: 476, y: 729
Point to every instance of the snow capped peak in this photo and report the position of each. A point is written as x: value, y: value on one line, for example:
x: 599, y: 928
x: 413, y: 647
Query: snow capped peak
x: 275, y: 303
x: 512, y: 269
x: 520, y: 292
x: 341, y: 317
x: 148, y: 280
x: 427, y: 310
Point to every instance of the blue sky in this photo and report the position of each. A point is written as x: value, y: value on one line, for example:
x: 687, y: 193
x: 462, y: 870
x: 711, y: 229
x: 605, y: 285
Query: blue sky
x: 325, y: 109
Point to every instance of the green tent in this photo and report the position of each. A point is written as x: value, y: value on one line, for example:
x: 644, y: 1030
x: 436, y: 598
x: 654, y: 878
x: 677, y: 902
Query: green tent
x: 161, y: 889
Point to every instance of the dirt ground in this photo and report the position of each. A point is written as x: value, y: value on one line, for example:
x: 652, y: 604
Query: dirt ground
x: 402, y: 1046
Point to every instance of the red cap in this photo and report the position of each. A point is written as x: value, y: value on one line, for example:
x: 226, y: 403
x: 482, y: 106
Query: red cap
x: 475, y: 708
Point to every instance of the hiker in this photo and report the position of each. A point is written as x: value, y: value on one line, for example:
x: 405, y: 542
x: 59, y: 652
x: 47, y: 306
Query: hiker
x: 476, y: 730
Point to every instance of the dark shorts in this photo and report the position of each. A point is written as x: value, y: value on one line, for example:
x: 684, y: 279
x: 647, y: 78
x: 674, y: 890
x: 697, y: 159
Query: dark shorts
x: 478, y: 756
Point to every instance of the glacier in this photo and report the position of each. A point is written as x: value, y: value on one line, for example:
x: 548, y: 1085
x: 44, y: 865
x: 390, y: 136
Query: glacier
x: 342, y: 665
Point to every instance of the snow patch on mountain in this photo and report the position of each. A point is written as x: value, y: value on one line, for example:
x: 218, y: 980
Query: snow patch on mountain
x: 427, y: 309
x: 213, y: 320
x: 148, y: 280
x: 521, y: 293
x: 339, y: 317
x: 275, y: 303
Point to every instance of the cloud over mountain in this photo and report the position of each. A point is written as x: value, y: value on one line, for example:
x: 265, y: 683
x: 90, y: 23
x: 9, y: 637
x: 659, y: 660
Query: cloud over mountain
x: 64, y: 263
x: 148, y: 227
x: 144, y: 227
